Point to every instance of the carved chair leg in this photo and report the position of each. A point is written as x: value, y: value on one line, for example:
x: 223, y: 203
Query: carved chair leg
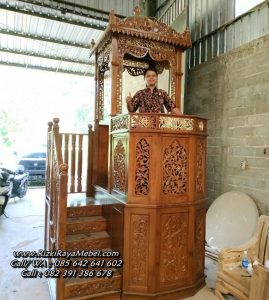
x: 219, y: 289
x: 219, y: 295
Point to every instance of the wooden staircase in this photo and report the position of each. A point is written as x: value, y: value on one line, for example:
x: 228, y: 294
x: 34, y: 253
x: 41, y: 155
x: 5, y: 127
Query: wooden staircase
x: 86, y: 229
x: 74, y: 221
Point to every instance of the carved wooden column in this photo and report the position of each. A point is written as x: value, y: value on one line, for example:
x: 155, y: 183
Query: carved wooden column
x: 115, y: 109
x: 164, y: 216
x: 178, y: 77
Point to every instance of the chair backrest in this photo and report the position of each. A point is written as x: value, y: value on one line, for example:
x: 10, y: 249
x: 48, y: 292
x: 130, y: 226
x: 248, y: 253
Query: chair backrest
x: 263, y: 245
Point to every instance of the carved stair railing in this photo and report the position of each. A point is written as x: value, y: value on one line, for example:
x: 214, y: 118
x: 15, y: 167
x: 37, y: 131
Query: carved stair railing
x: 56, y: 199
x: 58, y: 159
x: 76, y: 149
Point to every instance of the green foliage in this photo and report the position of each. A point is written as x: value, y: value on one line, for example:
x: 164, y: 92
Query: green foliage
x: 8, y: 127
x: 82, y: 118
x: 40, y: 182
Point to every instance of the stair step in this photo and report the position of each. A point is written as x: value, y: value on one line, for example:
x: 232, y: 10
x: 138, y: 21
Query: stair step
x: 85, y: 224
x: 91, y: 287
x: 86, y: 241
x: 84, y: 211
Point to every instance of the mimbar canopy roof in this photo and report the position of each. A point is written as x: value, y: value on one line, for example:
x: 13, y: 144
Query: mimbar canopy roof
x: 145, y: 28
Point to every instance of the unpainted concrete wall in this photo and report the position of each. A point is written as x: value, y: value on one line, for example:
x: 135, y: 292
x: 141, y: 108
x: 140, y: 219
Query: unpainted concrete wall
x: 232, y: 91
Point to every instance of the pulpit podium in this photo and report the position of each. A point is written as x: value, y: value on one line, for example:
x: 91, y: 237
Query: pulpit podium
x: 158, y: 167
x: 152, y: 165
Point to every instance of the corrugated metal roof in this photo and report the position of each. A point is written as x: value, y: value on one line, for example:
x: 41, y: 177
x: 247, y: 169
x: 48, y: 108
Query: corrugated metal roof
x: 121, y: 7
x: 54, y: 35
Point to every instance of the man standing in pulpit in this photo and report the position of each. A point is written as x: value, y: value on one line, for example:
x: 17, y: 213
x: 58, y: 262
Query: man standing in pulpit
x: 151, y: 99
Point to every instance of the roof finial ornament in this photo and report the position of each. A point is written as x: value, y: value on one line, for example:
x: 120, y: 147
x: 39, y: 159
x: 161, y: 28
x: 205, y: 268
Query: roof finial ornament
x: 112, y: 17
x: 92, y: 43
x: 137, y: 11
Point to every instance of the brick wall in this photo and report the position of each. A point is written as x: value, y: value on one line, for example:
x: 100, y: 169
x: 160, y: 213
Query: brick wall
x: 232, y: 91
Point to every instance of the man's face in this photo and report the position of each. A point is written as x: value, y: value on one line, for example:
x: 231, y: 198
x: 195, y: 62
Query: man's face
x: 151, y: 78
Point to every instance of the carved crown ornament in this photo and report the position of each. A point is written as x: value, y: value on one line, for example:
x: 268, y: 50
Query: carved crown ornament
x: 149, y: 28
x: 143, y: 27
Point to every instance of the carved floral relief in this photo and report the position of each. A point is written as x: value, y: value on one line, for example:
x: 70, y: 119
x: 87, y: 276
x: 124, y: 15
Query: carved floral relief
x: 175, y: 169
x: 139, y: 249
x: 174, y: 247
x: 143, y: 121
x: 175, y: 123
x: 200, y: 166
x: 119, y: 167
x: 120, y: 123
x: 142, y: 167
x: 200, y: 240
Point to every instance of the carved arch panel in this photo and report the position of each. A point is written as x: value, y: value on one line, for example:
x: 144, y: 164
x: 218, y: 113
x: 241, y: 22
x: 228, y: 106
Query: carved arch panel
x: 139, y: 48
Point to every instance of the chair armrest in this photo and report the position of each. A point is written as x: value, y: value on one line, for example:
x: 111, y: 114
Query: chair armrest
x: 232, y: 257
x: 259, y: 286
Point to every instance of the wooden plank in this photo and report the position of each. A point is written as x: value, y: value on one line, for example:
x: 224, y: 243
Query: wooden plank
x: 259, y: 288
x: 263, y: 242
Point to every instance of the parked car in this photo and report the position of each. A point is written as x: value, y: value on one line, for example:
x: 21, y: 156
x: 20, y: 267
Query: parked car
x: 35, y: 164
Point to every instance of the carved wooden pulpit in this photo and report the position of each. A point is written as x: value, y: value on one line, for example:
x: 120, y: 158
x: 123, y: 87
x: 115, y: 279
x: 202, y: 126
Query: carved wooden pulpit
x: 151, y: 165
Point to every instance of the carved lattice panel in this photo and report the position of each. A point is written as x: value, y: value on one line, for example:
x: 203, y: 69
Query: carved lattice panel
x: 143, y: 121
x: 139, y: 249
x: 120, y: 123
x: 175, y: 169
x: 142, y: 167
x: 119, y: 165
x: 174, y: 247
x: 119, y: 90
x: 100, y: 96
x: 200, y: 166
x: 166, y: 122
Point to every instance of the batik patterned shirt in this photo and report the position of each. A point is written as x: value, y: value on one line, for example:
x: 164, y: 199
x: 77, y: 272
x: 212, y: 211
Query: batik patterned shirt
x: 152, y: 102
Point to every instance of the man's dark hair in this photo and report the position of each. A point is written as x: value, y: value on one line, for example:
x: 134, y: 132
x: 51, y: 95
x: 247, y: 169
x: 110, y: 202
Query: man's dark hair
x: 150, y: 69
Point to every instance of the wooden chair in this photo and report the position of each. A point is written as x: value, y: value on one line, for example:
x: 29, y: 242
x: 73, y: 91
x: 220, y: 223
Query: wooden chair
x: 232, y: 279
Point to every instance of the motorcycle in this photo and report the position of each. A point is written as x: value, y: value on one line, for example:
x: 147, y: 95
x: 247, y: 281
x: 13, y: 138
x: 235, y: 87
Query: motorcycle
x: 12, y: 184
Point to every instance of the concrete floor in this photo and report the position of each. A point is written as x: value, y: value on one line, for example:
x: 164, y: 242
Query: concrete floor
x: 24, y: 230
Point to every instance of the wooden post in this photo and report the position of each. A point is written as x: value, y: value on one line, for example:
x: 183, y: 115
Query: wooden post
x: 114, y: 78
x: 178, y: 77
x: 56, y: 125
x: 48, y: 161
x: 47, y: 180
x: 61, y: 222
x: 115, y: 105
x: 89, y: 188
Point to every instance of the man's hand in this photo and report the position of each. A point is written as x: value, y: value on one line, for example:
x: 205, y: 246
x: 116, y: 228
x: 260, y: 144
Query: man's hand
x: 176, y: 111
x: 129, y: 103
x: 129, y: 98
